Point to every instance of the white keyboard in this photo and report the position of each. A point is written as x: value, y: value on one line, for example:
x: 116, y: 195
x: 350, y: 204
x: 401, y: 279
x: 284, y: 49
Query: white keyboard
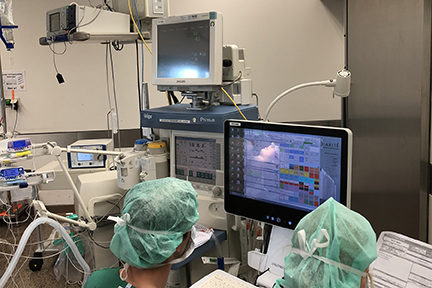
x: 221, y: 279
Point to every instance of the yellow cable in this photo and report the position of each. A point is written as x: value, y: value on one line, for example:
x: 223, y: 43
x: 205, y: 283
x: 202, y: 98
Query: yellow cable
x: 233, y: 102
x: 136, y: 27
x: 166, y: 93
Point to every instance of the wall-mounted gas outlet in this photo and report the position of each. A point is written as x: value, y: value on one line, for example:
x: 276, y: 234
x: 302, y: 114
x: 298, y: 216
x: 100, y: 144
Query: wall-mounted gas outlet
x: 12, y: 103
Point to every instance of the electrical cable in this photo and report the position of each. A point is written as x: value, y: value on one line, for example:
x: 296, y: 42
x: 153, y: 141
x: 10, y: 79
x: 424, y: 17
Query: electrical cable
x: 136, y: 27
x: 115, y: 97
x: 109, y: 211
x: 142, y: 62
x: 15, y: 125
x: 108, y: 126
x: 138, y: 75
x: 19, y: 269
x: 174, y: 98
x: 256, y: 96
x: 71, y: 261
x: 58, y: 75
x: 168, y: 98
x: 19, y: 222
x: 94, y: 241
x: 8, y: 215
x: 57, y: 53
x: 106, y: 4
x: 114, y: 205
x: 108, y: 89
x: 35, y: 257
x: 117, y: 45
x: 139, y: 84
x: 235, y: 80
x: 5, y: 242
x: 233, y: 103
x: 79, y: 25
x: 257, y: 104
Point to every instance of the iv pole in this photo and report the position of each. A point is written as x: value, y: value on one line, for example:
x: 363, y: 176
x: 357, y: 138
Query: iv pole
x: 9, y: 43
x: 3, y: 103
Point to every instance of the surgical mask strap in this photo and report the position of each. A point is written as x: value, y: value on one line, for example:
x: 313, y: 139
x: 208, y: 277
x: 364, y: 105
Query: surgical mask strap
x: 124, y: 271
x: 125, y: 219
x: 370, y: 280
x: 188, y: 251
x: 307, y: 251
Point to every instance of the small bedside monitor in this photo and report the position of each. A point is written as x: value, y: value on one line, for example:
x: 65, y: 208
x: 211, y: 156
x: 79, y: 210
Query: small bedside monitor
x: 277, y: 173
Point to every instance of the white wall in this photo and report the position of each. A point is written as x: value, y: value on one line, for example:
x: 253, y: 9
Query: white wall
x: 287, y: 42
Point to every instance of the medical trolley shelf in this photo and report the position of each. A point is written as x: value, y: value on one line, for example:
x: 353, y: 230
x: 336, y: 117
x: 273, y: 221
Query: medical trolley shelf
x: 103, y: 38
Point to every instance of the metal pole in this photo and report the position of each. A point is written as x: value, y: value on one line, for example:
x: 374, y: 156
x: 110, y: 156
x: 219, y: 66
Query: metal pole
x: 145, y: 99
x: 344, y: 101
x: 3, y: 103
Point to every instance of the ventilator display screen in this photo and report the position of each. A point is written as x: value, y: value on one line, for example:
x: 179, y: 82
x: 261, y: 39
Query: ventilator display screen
x: 284, y: 169
x: 196, y: 159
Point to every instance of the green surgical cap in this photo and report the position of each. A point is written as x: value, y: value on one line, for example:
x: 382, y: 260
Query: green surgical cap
x: 167, y: 207
x: 352, y: 242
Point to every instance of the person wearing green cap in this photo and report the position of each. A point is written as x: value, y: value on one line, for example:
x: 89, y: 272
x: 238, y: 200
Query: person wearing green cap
x: 154, y: 232
x: 332, y: 246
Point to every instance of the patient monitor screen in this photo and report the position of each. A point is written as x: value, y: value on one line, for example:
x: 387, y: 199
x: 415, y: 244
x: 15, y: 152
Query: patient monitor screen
x: 183, y: 50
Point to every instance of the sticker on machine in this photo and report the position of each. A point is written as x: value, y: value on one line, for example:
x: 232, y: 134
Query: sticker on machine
x: 14, y: 80
x: 175, y: 121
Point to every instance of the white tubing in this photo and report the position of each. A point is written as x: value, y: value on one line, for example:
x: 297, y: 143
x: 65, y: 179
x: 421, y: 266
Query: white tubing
x: 24, y: 239
x: 283, y: 94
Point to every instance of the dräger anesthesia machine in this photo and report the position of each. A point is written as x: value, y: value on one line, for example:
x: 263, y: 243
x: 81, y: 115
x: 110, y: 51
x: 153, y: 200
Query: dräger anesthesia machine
x: 214, y: 77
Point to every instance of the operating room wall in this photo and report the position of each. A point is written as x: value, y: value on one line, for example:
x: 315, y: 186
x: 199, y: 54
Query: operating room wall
x: 287, y: 42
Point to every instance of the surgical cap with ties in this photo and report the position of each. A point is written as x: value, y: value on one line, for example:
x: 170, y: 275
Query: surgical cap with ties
x: 331, y: 247
x: 156, y: 214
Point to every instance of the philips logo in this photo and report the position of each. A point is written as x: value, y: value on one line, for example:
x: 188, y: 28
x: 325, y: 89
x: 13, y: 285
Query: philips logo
x: 211, y: 120
x: 148, y: 116
x: 181, y: 81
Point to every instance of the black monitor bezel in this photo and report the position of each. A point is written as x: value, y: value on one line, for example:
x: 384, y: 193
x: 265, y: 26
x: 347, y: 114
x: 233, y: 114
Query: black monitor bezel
x: 282, y: 216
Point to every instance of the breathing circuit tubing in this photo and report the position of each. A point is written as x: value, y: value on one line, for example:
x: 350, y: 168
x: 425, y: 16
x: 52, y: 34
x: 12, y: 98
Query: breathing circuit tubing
x: 24, y: 239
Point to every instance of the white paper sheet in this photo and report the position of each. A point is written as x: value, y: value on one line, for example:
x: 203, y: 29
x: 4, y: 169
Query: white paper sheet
x: 402, y: 262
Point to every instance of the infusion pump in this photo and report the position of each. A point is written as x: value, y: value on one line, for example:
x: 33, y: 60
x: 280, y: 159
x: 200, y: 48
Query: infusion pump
x: 15, y: 145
